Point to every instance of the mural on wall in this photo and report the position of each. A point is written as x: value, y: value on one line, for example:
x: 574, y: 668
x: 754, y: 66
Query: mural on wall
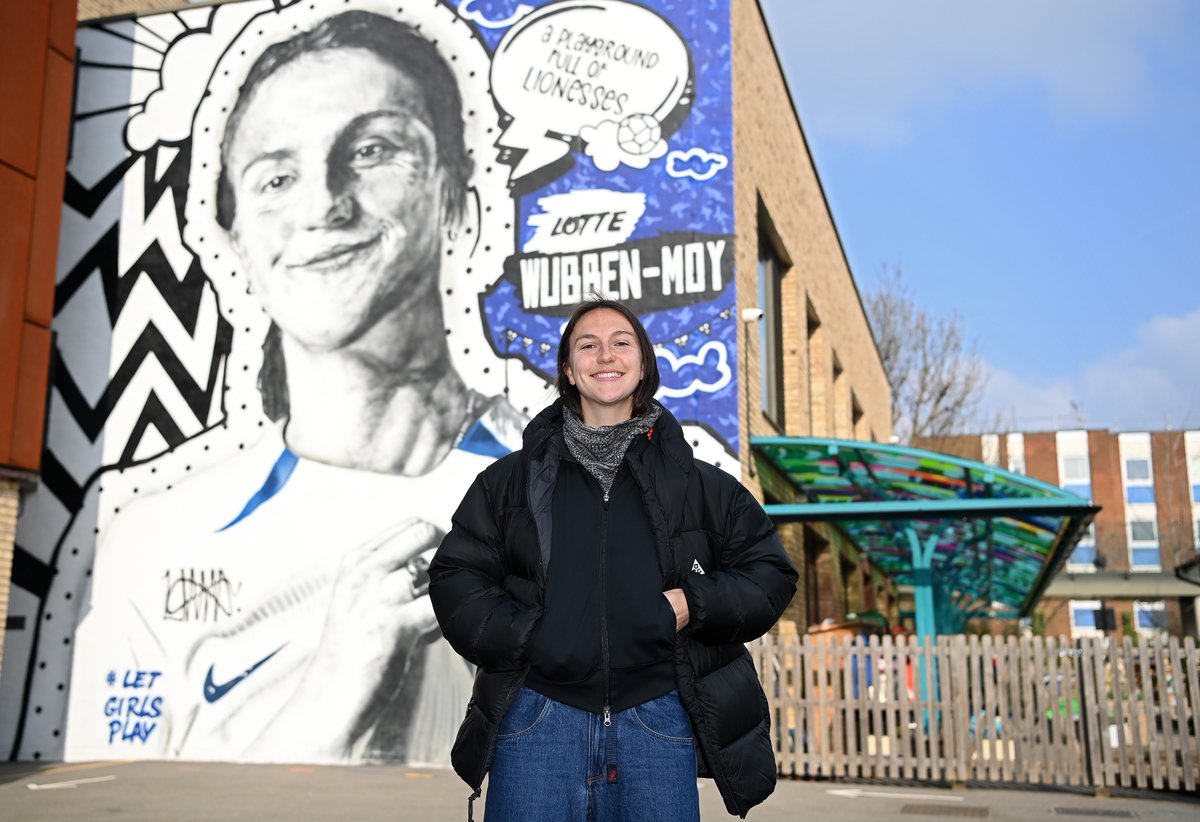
x: 315, y: 261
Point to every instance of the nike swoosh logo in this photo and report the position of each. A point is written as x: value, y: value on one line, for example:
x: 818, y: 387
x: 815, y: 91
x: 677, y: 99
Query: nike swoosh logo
x: 213, y: 691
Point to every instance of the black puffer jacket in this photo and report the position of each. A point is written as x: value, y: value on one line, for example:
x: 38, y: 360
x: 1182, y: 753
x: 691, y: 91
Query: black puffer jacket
x: 488, y: 579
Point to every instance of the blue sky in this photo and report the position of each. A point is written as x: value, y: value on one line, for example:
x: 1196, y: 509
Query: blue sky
x: 1032, y: 166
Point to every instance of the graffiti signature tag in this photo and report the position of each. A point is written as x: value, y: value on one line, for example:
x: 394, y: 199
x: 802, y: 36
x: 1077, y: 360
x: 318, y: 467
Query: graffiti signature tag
x: 201, y: 596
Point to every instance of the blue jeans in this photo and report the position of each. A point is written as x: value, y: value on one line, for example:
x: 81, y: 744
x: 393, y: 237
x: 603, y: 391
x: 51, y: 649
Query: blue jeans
x: 555, y: 763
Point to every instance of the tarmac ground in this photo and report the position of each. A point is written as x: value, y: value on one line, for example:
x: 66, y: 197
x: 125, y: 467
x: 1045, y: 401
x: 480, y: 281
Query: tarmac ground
x: 189, y: 792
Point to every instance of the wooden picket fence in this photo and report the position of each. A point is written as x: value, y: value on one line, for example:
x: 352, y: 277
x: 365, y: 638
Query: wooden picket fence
x: 1094, y: 712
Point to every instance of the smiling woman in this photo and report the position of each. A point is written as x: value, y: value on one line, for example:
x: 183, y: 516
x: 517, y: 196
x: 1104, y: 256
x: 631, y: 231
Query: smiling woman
x: 603, y: 580
x: 605, y: 367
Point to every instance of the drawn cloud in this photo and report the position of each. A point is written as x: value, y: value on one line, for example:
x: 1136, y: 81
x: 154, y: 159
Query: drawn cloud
x: 182, y: 85
x: 683, y: 164
x: 475, y: 16
x: 634, y: 142
x: 701, y: 376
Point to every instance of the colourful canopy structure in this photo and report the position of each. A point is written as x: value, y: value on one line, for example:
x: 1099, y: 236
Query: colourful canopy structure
x: 973, y: 540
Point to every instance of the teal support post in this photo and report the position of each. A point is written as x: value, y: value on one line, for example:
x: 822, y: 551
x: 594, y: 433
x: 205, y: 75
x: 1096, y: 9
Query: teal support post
x: 923, y: 582
x: 925, y: 590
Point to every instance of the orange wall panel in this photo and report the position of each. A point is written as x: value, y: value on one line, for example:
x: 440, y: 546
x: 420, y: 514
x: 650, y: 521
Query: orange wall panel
x: 23, y: 29
x: 16, y: 211
x: 37, y: 50
x: 52, y: 159
x: 62, y: 27
x: 29, y: 418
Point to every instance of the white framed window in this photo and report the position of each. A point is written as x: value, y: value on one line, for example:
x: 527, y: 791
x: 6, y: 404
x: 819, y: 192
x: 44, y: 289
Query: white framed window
x: 1015, y: 445
x: 1142, y: 531
x: 1074, y: 465
x: 1137, y: 484
x: 990, y: 443
x: 1150, y: 617
x: 1143, y: 546
x: 1137, y: 469
x: 1191, y: 446
x: 1085, y: 618
x: 1075, y: 469
x: 1139, y: 481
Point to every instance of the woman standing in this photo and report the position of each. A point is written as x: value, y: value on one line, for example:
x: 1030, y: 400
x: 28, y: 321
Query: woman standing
x: 604, y: 582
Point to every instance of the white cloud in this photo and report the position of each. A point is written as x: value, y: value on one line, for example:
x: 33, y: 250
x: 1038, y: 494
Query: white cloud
x: 722, y: 371
x: 467, y: 13
x: 1153, y: 384
x: 863, y: 69
x: 679, y: 163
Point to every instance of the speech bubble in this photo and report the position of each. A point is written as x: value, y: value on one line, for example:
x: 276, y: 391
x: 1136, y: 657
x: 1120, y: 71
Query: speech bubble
x: 607, y: 72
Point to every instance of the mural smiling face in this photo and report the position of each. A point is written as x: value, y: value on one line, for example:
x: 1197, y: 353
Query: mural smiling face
x: 333, y: 167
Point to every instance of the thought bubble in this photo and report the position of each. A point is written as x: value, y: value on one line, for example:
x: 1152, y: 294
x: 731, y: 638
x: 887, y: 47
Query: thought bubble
x: 607, y: 72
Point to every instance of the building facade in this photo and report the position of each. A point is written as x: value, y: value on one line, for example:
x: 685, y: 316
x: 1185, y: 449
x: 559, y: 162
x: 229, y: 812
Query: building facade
x: 218, y: 478
x: 36, y: 80
x: 812, y: 367
x: 1127, y: 576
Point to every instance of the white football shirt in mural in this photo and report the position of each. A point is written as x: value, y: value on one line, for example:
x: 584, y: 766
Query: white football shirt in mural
x: 222, y: 588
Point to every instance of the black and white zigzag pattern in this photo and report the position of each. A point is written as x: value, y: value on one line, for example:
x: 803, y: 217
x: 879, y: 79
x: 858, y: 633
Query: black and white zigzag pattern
x: 111, y: 406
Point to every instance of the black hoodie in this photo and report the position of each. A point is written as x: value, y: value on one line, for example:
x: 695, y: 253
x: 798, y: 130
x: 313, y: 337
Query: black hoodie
x: 607, y: 635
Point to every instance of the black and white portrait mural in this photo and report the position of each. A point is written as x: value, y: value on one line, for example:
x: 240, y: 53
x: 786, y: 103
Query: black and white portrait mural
x: 315, y: 261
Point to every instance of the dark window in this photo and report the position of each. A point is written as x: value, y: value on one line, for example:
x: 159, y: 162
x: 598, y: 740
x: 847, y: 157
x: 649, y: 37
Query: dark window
x: 1137, y: 469
x: 1142, y: 531
x: 770, y: 329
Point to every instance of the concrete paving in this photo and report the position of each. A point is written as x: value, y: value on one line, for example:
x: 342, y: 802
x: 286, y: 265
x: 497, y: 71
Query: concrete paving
x: 188, y: 792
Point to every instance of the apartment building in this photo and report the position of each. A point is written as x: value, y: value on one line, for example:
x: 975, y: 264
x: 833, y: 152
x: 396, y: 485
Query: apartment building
x: 1134, y: 572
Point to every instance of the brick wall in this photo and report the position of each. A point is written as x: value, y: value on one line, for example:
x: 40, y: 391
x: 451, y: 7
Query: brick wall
x: 1041, y: 457
x: 1104, y: 455
x: 92, y: 9
x: 775, y: 176
x: 1173, y: 498
x: 9, y: 501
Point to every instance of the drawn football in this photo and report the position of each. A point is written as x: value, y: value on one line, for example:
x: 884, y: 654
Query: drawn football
x: 638, y: 134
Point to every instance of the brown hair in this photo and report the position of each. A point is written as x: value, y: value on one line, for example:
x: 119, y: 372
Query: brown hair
x: 646, y: 388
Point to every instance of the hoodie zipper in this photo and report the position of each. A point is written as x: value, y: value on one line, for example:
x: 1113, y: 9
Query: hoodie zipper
x: 604, y: 662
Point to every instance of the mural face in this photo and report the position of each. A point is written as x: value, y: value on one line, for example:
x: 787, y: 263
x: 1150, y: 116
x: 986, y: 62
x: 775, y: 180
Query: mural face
x: 315, y: 262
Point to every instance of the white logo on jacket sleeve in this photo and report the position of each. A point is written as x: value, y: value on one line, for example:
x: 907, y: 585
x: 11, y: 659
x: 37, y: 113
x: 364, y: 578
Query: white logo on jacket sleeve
x: 696, y: 568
